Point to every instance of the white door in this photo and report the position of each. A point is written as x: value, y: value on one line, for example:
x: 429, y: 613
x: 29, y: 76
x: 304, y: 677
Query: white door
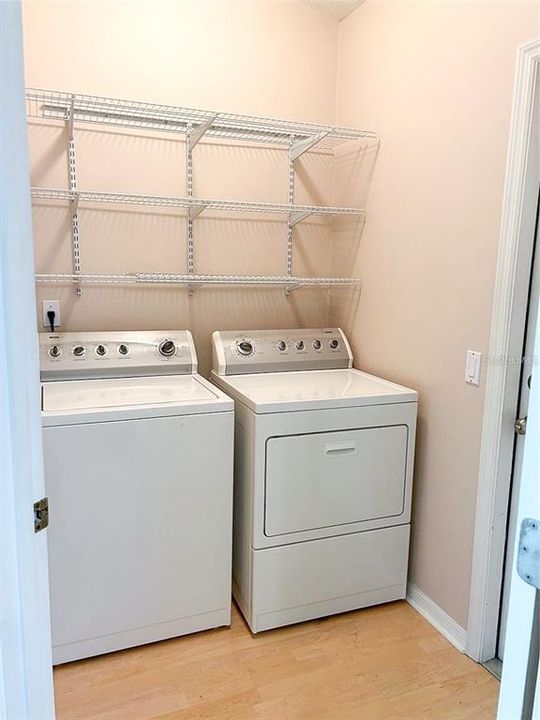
x: 529, y: 366
x: 520, y: 669
x: 26, y: 690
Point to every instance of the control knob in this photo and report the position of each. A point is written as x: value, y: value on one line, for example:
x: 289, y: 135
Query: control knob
x: 334, y: 344
x: 78, y: 351
x: 299, y: 344
x: 101, y: 350
x: 316, y: 344
x: 123, y: 349
x: 167, y: 348
x: 282, y: 346
x: 245, y: 347
x: 55, y: 351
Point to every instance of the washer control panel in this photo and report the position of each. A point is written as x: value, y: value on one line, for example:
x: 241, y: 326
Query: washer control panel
x: 70, y: 355
x: 257, y: 351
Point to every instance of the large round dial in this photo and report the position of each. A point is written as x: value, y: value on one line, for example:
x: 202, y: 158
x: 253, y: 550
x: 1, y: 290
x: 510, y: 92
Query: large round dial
x: 245, y: 347
x: 167, y: 348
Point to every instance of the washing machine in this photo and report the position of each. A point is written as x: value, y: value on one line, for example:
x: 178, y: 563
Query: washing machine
x: 138, y: 470
x: 323, y: 476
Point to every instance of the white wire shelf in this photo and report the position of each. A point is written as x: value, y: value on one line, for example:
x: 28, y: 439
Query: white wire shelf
x: 172, y: 279
x: 126, y: 113
x: 195, y: 206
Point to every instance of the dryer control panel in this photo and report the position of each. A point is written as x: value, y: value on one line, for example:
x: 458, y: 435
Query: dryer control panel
x: 70, y: 355
x: 259, y: 351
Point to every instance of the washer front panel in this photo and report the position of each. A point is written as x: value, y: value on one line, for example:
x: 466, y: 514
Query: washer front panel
x: 74, y: 355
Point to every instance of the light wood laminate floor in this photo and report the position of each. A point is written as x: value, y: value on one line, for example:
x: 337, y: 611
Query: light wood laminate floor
x: 380, y: 663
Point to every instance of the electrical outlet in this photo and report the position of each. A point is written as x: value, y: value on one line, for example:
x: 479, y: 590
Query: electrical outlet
x: 49, y: 305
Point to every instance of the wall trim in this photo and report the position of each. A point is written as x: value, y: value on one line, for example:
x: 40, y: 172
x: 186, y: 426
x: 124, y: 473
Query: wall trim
x: 502, y: 379
x: 437, y: 617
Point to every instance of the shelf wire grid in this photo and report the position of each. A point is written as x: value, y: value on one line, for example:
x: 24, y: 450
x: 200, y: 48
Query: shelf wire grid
x: 185, y: 279
x: 170, y: 118
x: 106, y: 198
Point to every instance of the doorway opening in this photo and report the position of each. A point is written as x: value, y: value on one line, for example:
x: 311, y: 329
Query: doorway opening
x: 509, y: 365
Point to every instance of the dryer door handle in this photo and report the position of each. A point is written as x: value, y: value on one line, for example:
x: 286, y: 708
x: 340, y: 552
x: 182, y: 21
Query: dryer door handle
x: 339, y: 449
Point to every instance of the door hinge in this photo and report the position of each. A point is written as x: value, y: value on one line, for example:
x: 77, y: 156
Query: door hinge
x: 41, y: 514
x: 528, y: 556
x: 520, y: 425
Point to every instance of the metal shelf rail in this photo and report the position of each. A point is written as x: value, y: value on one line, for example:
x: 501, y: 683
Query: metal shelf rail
x: 195, y: 206
x: 296, y: 137
x: 197, y: 280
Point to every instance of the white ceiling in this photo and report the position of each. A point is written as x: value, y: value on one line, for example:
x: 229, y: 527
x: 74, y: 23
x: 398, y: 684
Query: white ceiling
x: 338, y: 9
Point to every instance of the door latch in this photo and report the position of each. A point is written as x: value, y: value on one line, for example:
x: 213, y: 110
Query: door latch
x: 41, y: 514
x: 528, y: 557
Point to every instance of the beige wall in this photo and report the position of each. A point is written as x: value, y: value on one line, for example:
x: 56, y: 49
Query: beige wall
x: 435, y: 78
x: 273, y: 58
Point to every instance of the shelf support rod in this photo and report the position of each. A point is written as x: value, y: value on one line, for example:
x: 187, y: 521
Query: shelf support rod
x: 189, y: 194
x: 299, y: 147
x: 74, y: 199
x: 194, y: 136
x: 290, y: 200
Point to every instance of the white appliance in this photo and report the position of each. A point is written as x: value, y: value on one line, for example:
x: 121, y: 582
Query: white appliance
x: 138, y: 471
x: 323, y: 476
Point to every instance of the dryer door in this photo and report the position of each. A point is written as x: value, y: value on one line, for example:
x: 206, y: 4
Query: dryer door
x: 328, y: 479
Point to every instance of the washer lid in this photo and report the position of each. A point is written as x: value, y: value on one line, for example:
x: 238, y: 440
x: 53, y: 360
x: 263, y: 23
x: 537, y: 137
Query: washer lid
x: 312, y: 390
x: 136, y: 397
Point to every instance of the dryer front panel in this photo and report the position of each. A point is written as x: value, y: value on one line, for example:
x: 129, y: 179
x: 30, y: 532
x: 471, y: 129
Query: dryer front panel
x: 332, y: 479
x: 311, y: 475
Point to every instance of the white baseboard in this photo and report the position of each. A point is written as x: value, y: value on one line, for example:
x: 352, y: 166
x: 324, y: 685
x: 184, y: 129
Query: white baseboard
x: 440, y: 620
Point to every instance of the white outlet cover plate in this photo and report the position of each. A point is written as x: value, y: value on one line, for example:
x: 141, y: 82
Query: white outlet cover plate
x: 51, y: 305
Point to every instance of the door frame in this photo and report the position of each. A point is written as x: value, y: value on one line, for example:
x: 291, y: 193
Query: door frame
x: 503, y: 371
x: 26, y: 684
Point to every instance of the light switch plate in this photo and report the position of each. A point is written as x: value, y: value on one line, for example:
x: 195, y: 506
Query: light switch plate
x: 51, y: 305
x: 472, y: 367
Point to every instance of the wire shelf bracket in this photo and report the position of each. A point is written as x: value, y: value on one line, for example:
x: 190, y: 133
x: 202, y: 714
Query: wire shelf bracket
x: 299, y: 147
x: 197, y: 134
